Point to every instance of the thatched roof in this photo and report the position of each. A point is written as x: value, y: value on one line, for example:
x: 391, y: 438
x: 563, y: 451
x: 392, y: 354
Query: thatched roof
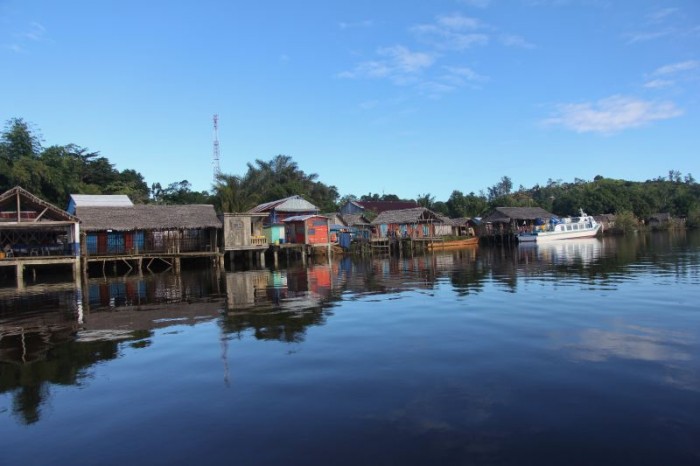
x: 148, y: 217
x: 354, y: 220
x: 462, y: 221
x: 446, y: 220
x: 10, y: 199
x: 508, y: 214
x: 407, y: 216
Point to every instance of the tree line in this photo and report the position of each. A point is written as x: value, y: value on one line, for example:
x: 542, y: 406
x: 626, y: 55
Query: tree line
x: 55, y: 172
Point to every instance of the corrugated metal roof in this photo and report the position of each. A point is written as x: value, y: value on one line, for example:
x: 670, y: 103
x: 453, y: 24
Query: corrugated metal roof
x: 101, y: 200
x: 289, y: 204
x: 300, y: 218
x: 383, y: 206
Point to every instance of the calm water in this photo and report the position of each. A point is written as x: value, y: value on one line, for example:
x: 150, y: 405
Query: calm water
x: 587, y: 352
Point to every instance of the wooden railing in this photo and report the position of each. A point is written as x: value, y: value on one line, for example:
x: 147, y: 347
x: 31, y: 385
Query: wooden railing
x: 258, y: 240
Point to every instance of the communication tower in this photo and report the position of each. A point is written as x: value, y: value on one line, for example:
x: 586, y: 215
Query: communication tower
x: 215, y: 159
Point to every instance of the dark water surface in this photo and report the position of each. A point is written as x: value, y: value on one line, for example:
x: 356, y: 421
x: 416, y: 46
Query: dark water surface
x: 584, y: 352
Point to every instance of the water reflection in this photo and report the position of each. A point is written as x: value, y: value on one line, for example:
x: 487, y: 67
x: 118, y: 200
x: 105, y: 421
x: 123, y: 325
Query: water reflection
x: 53, y: 335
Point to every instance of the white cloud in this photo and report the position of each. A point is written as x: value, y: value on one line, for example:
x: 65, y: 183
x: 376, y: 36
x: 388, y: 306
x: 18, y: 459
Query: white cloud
x: 397, y: 63
x: 658, y: 83
x: 676, y: 68
x: 367, y: 23
x: 660, y: 15
x: 16, y: 48
x: 511, y: 40
x: 403, y: 60
x: 452, y: 32
x: 612, y: 114
x: 635, y: 37
x: 36, y: 32
x: 457, y: 21
x: 666, y: 76
x: 465, y: 74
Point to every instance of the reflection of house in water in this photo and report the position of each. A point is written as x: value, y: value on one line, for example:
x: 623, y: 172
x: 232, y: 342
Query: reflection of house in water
x: 50, y: 336
x: 278, y: 305
x: 38, y: 347
x: 286, y: 289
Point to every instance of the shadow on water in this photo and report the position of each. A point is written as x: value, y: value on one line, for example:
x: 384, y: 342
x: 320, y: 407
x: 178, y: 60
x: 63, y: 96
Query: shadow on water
x: 51, y: 335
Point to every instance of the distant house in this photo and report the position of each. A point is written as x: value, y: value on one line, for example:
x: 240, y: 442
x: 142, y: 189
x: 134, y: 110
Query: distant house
x: 307, y: 229
x: 465, y: 226
x: 510, y: 219
x: 377, y: 207
x: 277, y: 211
x: 359, y: 226
x: 659, y: 219
x: 447, y: 228
x: 606, y: 220
x: 418, y: 222
x: 97, y: 200
x: 149, y: 229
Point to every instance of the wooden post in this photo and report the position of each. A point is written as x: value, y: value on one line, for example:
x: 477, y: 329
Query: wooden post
x: 177, y: 265
x: 19, y: 269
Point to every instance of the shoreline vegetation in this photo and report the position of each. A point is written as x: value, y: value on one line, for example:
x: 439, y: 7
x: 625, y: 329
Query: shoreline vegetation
x: 55, y: 172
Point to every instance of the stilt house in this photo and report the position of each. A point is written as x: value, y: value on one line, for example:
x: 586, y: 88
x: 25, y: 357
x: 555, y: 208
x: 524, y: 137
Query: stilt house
x: 415, y: 223
x: 148, y: 229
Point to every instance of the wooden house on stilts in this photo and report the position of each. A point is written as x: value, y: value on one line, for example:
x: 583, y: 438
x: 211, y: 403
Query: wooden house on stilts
x: 35, y: 233
x: 166, y: 233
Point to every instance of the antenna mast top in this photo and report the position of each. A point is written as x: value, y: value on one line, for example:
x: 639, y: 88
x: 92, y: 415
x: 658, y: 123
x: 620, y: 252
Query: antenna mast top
x: 216, y: 155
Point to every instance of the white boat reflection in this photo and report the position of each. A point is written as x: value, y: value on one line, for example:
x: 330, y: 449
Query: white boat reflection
x: 579, y: 251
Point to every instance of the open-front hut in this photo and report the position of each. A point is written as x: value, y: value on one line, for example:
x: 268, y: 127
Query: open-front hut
x: 30, y: 226
x: 36, y: 233
x: 418, y: 222
x: 149, y: 229
x: 503, y: 221
x: 465, y: 226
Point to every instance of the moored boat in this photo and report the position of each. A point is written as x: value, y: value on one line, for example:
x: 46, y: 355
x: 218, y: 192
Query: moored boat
x: 459, y: 243
x: 583, y: 226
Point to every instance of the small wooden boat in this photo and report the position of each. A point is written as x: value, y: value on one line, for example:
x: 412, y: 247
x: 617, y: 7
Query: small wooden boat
x: 452, y: 244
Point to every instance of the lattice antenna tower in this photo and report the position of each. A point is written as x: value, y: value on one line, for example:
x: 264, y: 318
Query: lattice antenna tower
x: 216, y: 154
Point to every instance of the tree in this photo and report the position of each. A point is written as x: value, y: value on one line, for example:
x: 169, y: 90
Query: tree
x: 500, y: 189
x: 425, y: 200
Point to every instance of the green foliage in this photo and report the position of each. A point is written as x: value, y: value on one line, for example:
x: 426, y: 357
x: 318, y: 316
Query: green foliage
x: 470, y: 205
x: 693, y: 220
x: 58, y: 171
x: 179, y: 193
x: 626, y: 222
x: 425, y: 200
x: 270, y: 181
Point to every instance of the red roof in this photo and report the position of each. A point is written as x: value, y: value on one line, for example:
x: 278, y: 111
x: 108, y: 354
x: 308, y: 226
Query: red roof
x: 381, y: 206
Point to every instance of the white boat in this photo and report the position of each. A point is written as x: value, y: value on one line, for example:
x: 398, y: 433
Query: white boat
x: 583, y: 226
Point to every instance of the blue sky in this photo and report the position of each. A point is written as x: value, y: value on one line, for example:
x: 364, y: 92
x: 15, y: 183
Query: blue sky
x: 407, y: 97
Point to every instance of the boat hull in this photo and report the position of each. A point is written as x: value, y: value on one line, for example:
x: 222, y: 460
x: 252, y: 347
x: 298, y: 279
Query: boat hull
x: 547, y: 236
x: 455, y: 244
